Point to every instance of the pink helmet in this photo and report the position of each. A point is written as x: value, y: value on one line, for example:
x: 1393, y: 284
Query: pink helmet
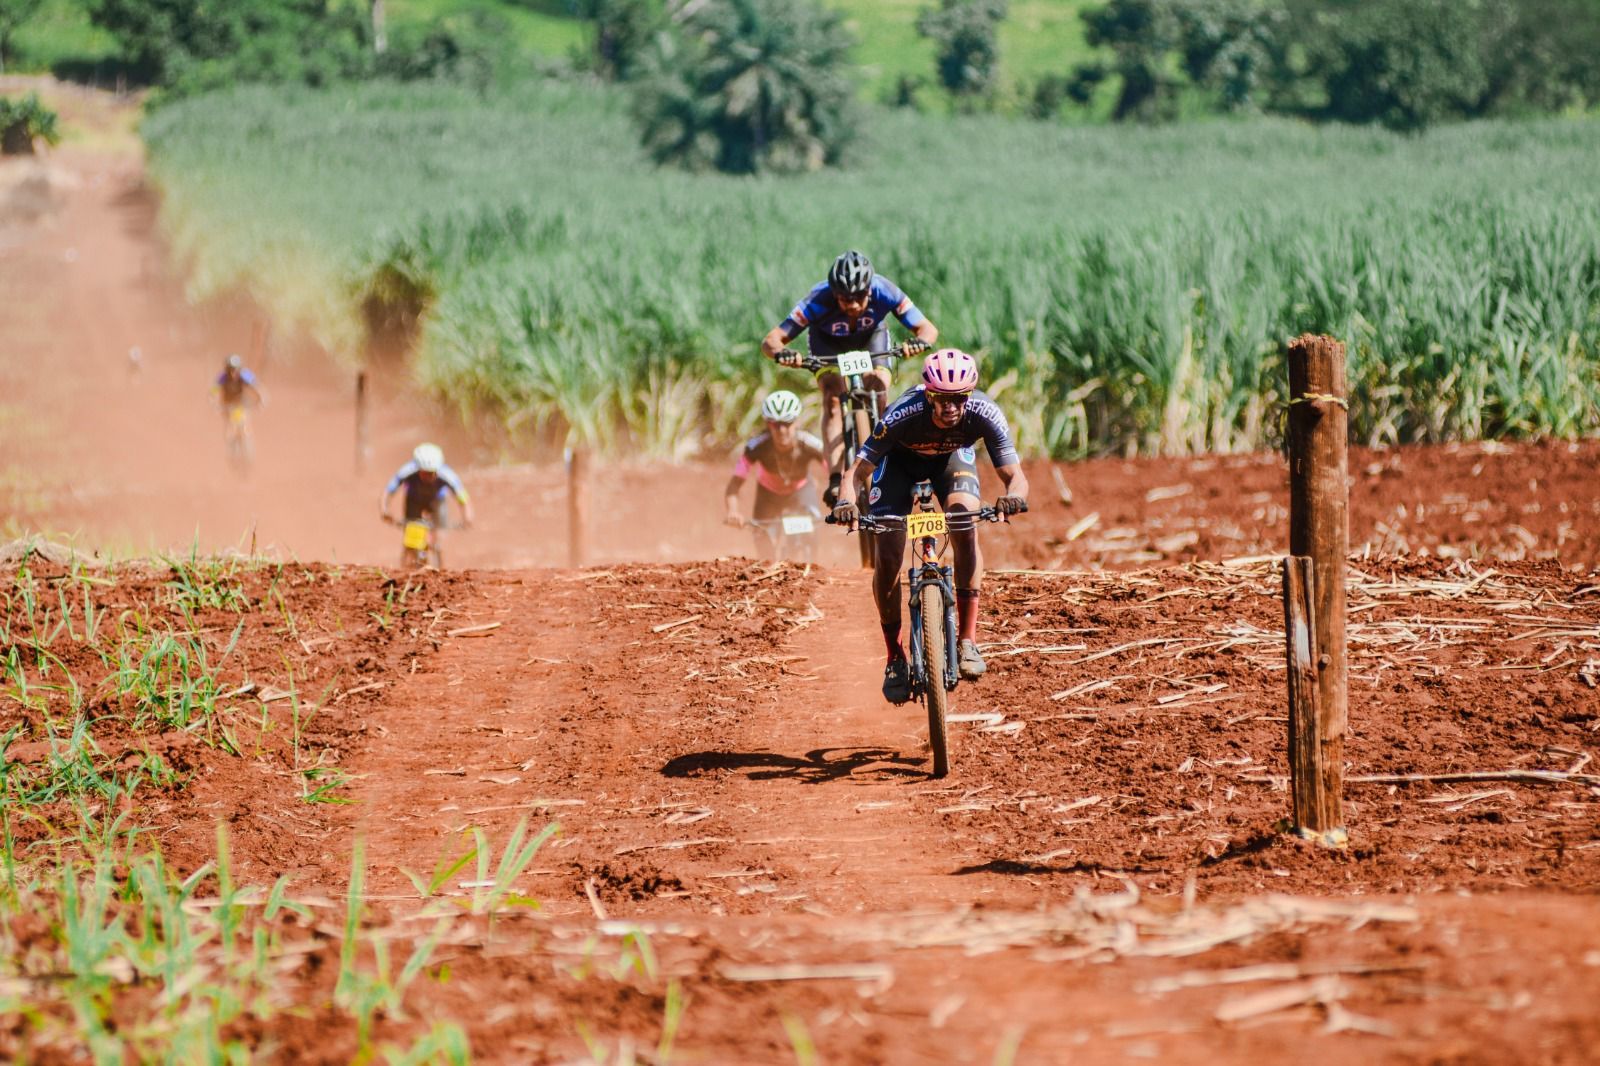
x: 950, y: 370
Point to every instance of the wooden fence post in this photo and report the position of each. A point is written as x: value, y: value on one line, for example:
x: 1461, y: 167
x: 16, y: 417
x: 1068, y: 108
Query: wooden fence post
x: 361, y: 421
x: 1314, y: 585
x: 577, y: 502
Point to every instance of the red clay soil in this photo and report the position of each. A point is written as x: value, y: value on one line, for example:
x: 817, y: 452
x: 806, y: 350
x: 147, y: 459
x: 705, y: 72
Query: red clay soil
x: 747, y: 828
x: 724, y: 775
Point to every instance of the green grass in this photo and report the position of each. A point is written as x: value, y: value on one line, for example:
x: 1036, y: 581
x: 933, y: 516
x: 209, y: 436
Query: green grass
x: 62, y: 29
x: 59, y: 31
x: 1128, y: 289
x: 1038, y: 37
x: 541, y: 28
x: 107, y: 953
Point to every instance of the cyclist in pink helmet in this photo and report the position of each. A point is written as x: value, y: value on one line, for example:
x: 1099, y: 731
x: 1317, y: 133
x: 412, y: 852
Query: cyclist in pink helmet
x: 930, y: 434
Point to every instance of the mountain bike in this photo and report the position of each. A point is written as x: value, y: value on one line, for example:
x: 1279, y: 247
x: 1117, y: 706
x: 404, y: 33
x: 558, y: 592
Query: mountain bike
x: 860, y: 407
x: 236, y: 437
x: 792, y: 537
x: 930, y: 589
x: 418, y: 546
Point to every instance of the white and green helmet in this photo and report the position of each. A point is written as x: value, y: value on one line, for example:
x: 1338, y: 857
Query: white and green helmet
x: 781, y: 406
x: 428, y: 457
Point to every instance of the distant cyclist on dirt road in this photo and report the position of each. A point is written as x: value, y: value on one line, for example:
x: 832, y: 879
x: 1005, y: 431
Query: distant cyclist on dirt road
x: 781, y: 459
x: 428, y: 484
x: 235, y: 389
x: 929, y: 434
x: 236, y: 384
x: 848, y: 312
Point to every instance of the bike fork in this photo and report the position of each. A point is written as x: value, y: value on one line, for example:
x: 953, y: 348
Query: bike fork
x: 952, y: 673
x: 919, y: 677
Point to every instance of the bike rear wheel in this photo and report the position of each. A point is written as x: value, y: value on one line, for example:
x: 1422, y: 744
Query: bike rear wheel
x: 861, y: 422
x: 934, y: 693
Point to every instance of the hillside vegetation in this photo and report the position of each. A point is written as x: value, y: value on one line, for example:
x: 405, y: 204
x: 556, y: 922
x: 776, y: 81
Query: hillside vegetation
x: 1038, y: 38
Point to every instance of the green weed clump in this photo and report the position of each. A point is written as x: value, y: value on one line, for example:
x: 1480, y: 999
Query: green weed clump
x: 109, y: 954
x: 1126, y: 289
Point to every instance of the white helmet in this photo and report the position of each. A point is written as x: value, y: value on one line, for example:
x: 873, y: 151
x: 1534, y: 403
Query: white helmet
x: 429, y: 457
x: 781, y: 406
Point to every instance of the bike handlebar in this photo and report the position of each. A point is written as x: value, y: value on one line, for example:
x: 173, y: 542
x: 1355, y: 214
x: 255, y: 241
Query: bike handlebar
x: 815, y: 363
x: 884, y: 523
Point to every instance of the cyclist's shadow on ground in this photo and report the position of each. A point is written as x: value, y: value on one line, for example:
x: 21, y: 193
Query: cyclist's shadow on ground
x: 816, y: 767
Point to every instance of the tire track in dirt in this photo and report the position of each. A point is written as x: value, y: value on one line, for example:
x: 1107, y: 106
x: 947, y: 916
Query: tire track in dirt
x: 840, y: 770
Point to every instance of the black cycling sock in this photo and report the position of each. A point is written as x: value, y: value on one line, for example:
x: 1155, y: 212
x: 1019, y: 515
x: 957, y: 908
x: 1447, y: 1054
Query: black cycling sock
x: 891, y: 641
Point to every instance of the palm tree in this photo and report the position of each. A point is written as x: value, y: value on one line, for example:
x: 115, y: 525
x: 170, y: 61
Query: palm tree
x: 748, y: 86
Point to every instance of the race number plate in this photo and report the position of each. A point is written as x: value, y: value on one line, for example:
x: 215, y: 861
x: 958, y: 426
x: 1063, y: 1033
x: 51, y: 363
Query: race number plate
x: 925, y: 524
x: 797, y: 525
x: 853, y: 363
x: 415, y: 536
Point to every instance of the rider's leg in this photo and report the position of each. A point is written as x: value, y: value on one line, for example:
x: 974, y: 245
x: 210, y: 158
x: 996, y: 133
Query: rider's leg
x: 968, y: 565
x: 961, y: 494
x: 833, y: 390
x: 890, y: 494
x: 890, y: 550
x: 878, y: 382
x: 768, y: 506
x: 436, y: 518
x: 882, y: 368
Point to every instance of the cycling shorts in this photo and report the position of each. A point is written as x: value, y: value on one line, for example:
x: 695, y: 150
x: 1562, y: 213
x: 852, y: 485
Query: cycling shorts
x: 892, y: 481
x: 876, y: 342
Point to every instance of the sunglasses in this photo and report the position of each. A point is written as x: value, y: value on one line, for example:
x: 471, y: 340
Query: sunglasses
x: 948, y: 399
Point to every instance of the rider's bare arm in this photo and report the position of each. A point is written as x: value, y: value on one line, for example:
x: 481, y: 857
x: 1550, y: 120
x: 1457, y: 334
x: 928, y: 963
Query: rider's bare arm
x: 1015, y: 481
x: 927, y: 333
x: 774, y: 342
x: 383, y: 504
x: 856, y: 485
x: 731, y: 499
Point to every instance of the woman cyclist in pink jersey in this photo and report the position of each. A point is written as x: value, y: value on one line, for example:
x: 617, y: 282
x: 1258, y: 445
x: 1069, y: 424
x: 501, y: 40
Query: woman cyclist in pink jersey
x: 781, y: 459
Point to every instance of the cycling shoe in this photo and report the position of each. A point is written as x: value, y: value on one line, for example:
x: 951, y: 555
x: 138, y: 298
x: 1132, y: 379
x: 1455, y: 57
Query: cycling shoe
x: 897, y: 681
x: 969, y: 661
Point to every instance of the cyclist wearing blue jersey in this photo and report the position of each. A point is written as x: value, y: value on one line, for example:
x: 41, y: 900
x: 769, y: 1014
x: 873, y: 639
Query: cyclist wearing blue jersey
x: 930, y: 434
x: 428, y: 484
x: 235, y: 389
x: 849, y: 312
x: 235, y: 384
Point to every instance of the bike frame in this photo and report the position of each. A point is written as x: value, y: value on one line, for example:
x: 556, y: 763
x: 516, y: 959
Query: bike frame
x: 857, y: 396
x: 925, y: 570
x: 782, y: 540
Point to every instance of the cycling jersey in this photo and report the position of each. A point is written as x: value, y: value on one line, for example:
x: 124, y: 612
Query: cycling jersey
x: 776, y: 472
x: 423, y: 499
x: 907, y: 429
x: 819, y: 312
x: 233, y: 390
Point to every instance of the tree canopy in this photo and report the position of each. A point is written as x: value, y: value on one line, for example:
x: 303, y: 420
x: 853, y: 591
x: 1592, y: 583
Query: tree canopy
x: 747, y: 87
x: 965, y: 35
x: 1403, y: 63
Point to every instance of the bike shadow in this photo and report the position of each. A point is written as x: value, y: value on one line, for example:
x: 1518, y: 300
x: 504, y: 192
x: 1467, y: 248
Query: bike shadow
x: 816, y: 767
x: 1025, y: 867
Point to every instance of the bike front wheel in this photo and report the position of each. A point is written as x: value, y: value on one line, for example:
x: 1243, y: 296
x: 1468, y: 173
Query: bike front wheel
x: 934, y: 693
